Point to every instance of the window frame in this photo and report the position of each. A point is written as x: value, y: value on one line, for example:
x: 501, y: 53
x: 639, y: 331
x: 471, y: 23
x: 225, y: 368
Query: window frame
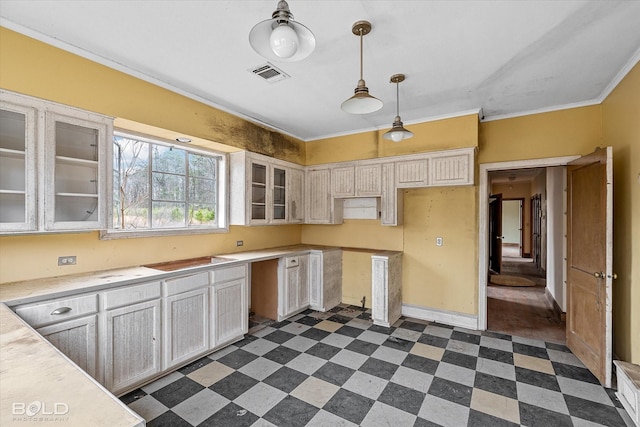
x: 222, y: 191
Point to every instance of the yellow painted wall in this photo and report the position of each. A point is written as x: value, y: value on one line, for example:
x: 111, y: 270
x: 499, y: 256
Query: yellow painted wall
x: 356, y: 280
x: 621, y: 129
x: 34, y: 68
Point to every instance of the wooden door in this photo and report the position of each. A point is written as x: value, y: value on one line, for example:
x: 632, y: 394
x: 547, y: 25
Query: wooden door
x: 589, y: 261
x: 495, y: 232
x: 536, y: 231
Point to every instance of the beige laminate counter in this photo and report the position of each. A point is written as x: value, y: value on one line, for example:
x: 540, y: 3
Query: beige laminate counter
x: 39, y: 385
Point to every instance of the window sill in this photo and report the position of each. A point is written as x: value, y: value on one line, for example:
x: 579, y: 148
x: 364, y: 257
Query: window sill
x: 134, y: 234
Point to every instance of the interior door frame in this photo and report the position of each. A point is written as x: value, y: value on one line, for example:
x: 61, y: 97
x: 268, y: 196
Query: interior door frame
x: 483, y: 219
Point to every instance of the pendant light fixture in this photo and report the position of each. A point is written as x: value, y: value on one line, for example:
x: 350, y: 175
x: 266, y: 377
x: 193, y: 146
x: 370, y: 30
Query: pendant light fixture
x: 361, y: 102
x: 281, y: 38
x: 397, y: 132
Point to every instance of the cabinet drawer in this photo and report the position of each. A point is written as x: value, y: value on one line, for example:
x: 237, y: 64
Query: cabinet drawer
x: 229, y: 273
x: 131, y: 294
x: 49, y: 312
x: 291, y: 261
x: 186, y: 283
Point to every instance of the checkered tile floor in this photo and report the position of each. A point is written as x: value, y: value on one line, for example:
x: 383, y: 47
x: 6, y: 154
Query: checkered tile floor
x: 338, y: 369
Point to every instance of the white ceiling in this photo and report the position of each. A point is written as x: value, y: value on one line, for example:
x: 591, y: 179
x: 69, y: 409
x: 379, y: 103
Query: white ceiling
x: 503, y: 57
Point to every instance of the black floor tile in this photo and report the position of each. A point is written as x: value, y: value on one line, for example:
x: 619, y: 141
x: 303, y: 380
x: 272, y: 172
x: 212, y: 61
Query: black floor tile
x: 282, y: 355
x: 279, y: 336
x: 231, y: 415
x: 413, y: 326
x: 497, y: 335
x: 280, y: 324
x: 350, y: 406
x: 496, y: 385
x: 246, y: 340
x: 291, y: 412
x: 421, y: 422
x: 460, y: 359
x: 538, y: 379
x: 574, y: 372
x: 315, y: 334
x: 309, y: 321
x: 339, y: 319
x: 594, y: 412
x: 285, y: 379
x: 179, y: 390
x: 529, y: 350
x: 350, y: 331
x: 465, y: 337
x: 433, y: 340
x: 365, y: 316
x: 398, y: 344
x: 422, y: 364
x: 451, y: 391
x: 195, y: 366
x: 133, y: 396
x: 379, y: 368
x: 168, y: 419
x: 382, y: 329
x: 402, y: 397
x: 362, y: 347
x: 557, y: 347
x: 233, y: 385
x: 535, y: 416
x: 334, y: 373
x: 495, y: 354
x: 237, y: 359
x: 477, y: 418
x: 324, y: 351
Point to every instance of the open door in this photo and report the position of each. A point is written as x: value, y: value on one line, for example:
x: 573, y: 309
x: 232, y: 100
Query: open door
x: 590, y: 261
x: 495, y: 232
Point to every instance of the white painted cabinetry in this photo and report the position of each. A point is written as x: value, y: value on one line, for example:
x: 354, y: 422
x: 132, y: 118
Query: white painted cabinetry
x: 132, y: 341
x: 386, y: 277
x: 265, y: 190
x: 343, y: 181
x: 391, y: 203
x: 229, y: 315
x: 52, y: 166
x: 369, y: 180
x: 412, y: 173
x: 318, y: 196
x: 185, y: 314
x: 293, y: 287
x: 70, y: 324
x: 325, y: 279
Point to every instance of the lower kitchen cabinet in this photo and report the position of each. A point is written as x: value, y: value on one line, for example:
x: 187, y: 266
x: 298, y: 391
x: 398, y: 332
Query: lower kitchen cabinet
x: 293, y: 294
x: 325, y: 279
x: 230, y: 317
x: 185, y: 326
x: 78, y: 340
x: 132, y: 350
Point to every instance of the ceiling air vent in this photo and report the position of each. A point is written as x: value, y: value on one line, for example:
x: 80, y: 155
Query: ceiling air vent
x: 269, y: 72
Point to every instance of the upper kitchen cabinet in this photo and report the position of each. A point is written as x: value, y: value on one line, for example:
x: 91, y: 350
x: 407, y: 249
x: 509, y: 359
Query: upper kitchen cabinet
x: 265, y: 190
x: 52, y: 158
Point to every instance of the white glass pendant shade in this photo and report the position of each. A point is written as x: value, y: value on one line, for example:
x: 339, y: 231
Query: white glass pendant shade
x: 281, y: 38
x: 397, y: 132
x: 361, y: 102
x: 284, y: 41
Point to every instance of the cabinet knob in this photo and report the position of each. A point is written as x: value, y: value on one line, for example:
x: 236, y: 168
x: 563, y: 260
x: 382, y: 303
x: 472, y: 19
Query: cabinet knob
x: 61, y: 310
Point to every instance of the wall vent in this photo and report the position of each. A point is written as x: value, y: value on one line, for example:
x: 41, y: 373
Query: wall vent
x: 269, y: 72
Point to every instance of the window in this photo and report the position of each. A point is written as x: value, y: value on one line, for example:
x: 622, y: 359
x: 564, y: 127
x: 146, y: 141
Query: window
x: 158, y: 186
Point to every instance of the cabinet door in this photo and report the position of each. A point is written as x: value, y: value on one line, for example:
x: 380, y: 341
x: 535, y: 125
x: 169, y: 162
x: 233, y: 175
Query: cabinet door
x: 278, y: 202
x: 368, y: 180
x: 74, y: 165
x: 230, y: 318
x: 303, y: 281
x: 391, y: 202
x: 342, y: 181
x: 296, y: 196
x: 186, y: 326
x: 258, y: 192
x: 17, y: 168
x: 132, y: 348
x: 291, y: 281
x: 77, y: 339
x: 318, y: 197
x: 315, y: 281
x: 412, y: 173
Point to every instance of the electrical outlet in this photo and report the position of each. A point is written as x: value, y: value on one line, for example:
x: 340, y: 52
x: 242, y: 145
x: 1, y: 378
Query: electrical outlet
x: 439, y: 241
x: 67, y: 260
x: 239, y: 242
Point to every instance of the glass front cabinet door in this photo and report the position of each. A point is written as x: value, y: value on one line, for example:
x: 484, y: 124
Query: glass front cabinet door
x: 17, y: 167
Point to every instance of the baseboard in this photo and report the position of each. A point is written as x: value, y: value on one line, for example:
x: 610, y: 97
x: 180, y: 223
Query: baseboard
x: 451, y: 318
x: 557, y: 311
x: 526, y: 255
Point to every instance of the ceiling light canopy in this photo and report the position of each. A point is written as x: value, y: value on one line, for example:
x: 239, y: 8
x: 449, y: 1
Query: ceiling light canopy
x: 397, y: 132
x: 281, y: 38
x: 361, y: 102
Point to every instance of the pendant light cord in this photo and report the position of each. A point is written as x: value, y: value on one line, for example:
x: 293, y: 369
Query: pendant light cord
x: 361, y: 54
x: 398, y: 99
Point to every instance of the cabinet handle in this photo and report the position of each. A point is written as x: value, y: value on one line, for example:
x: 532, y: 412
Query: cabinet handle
x: 61, y: 310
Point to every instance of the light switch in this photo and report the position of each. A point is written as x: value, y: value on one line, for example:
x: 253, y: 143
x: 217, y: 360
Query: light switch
x: 439, y: 241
